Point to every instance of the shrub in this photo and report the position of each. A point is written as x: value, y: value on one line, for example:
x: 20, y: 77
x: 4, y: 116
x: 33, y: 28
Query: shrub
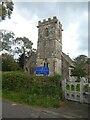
x: 57, y: 76
x: 8, y: 63
x: 40, y: 85
x: 14, y: 81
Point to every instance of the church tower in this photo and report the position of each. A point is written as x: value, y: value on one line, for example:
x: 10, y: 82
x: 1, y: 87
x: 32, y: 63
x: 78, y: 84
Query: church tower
x: 49, y: 45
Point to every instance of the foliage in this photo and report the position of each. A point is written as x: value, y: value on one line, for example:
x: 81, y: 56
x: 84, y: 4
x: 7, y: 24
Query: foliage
x: 8, y: 63
x: 21, y: 61
x: 31, y: 99
x: 7, y: 41
x: 57, y: 76
x: 40, y: 85
x: 6, y: 8
x: 0, y: 64
x: 86, y: 87
x: 33, y: 90
x: 15, y: 46
x: 26, y: 45
x: 68, y: 87
x: 79, y: 69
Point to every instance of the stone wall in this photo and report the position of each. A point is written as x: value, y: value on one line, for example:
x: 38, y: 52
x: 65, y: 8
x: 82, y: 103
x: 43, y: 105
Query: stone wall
x: 49, y: 46
x: 30, y: 64
x: 66, y: 63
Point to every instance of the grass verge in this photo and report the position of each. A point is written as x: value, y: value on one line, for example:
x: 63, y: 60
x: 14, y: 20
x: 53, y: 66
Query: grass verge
x: 31, y: 99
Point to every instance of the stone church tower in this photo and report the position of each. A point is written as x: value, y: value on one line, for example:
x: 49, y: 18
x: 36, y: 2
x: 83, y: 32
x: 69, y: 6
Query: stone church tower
x: 49, y: 45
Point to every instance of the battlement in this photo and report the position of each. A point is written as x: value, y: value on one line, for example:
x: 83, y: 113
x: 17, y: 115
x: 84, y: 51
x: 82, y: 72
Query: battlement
x: 48, y: 21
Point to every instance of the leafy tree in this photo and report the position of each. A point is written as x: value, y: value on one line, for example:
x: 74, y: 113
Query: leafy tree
x: 20, y: 46
x: 25, y: 48
x: 8, y: 63
x: 79, y: 69
x: 23, y: 58
x: 6, y: 8
x: 14, y: 46
x: 21, y: 61
x: 7, y: 41
x: 25, y: 43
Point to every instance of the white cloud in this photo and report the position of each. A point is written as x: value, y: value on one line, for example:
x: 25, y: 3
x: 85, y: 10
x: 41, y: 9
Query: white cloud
x: 74, y: 23
x: 70, y: 38
x: 22, y: 27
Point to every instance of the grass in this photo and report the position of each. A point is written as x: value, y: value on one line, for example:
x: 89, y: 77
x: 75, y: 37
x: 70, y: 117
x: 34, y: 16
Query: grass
x: 29, y: 99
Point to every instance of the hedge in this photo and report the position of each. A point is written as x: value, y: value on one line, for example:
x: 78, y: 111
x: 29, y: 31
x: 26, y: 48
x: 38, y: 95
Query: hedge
x: 40, y: 85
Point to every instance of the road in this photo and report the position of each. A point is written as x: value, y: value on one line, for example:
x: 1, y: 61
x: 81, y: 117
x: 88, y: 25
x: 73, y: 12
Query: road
x: 69, y: 110
x: 13, y: 110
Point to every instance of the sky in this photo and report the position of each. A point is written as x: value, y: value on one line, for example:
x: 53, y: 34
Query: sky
x: 72, y: 15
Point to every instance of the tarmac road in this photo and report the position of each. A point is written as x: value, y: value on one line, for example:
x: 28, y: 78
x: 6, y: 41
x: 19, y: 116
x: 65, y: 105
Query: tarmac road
x: 70, y: 110
x: 12, y: 110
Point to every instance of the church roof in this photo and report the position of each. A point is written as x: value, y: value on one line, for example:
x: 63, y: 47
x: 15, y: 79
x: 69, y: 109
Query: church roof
x: 67, y: 58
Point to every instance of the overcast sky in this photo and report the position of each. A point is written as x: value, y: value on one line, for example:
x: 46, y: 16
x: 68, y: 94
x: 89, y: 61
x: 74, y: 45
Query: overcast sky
x: 72, y: 15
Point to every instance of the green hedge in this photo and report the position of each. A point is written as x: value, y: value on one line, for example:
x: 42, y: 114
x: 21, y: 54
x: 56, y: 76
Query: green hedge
x: 40, y: 85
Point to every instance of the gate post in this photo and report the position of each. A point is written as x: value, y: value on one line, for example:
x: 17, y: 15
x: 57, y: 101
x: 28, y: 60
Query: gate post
x: 63, y: 88
x: 81, y: 91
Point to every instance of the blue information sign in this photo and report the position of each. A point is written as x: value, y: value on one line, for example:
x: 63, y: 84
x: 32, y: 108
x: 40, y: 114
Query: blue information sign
x: 42, y: 70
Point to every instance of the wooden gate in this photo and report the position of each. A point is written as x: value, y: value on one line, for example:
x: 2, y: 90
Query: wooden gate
x: 76, y: 91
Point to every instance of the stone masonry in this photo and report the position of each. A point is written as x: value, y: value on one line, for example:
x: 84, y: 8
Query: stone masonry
x: 49, y: 50
x: 49, y: 45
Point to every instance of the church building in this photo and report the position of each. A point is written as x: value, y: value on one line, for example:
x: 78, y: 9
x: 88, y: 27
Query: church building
x: 49, y: 48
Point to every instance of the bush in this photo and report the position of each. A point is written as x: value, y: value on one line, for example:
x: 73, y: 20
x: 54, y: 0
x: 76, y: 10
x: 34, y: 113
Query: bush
x: 8, y: 63
x: 14, y: 81
x: 40, y: 85
x: 57, y: 76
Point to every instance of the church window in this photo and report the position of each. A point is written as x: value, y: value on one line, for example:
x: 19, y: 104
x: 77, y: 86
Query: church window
x: 44, y: 64
x: 46, y: 32
x: 47, y: 64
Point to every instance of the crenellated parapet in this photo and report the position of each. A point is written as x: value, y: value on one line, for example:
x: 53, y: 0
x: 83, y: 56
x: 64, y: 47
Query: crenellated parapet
x: 49, y: 21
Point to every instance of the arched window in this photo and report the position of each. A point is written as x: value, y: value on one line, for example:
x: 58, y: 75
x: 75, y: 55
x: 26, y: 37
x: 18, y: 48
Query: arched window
x: 45, y: 64
x: 46, y: 32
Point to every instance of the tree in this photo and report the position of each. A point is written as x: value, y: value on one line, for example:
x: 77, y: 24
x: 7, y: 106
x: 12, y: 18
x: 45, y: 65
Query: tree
x: 24, y: 59
x: 20, y: 46
x: 7, y: 41
x: 8, y: 63
x: 79, y: 69
x: 21, y: 61
x: 6, y: 8
x: 14, y: 46
x: 24, y: 46
x: 25, y: 43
